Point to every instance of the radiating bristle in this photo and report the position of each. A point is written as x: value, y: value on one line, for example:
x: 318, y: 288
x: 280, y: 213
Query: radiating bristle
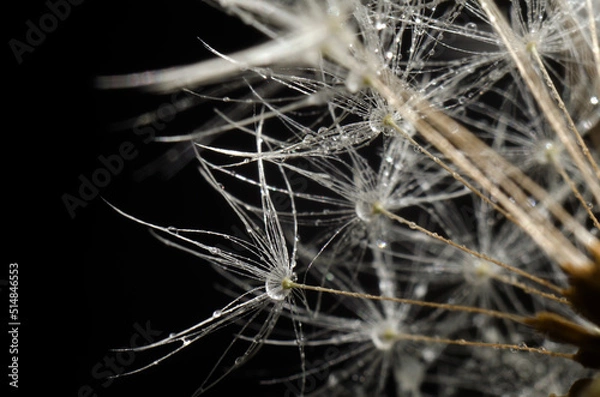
x: 419, y: 191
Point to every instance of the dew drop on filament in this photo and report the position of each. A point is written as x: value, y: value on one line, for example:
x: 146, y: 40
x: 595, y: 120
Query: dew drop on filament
x: 274, y: 288
x: 381, y: 244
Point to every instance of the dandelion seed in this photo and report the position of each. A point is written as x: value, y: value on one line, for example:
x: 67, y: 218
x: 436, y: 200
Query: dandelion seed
x: 261, y: 275
x: 401, y: 114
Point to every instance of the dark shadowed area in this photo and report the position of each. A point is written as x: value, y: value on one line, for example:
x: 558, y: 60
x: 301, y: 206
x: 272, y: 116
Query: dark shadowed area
x: 89, y: 279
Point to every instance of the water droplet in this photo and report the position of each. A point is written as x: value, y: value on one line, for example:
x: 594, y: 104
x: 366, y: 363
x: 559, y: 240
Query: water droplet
x: 365, y: 211
x: 471, y: 26
x: 332, y: 380
x: 420, y: 290
x: 217, y: 313
x: 428, y: 355
x: 594, y: 100
x: 354, y: 82
x: 274, y: 288
x: 381, y: 244
x: 172, y: 229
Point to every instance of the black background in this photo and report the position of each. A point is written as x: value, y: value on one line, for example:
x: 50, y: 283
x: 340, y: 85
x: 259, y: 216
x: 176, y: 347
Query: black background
x: 90, y: 279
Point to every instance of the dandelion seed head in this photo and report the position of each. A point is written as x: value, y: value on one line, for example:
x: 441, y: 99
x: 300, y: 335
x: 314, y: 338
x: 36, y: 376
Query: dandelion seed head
x: 381, y: 119
x: 384, y: 335
x: 479, y: 272
x: 547, y: 152
x: 276, y: 284
x: 392, y: 70
x: 367, y: 210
